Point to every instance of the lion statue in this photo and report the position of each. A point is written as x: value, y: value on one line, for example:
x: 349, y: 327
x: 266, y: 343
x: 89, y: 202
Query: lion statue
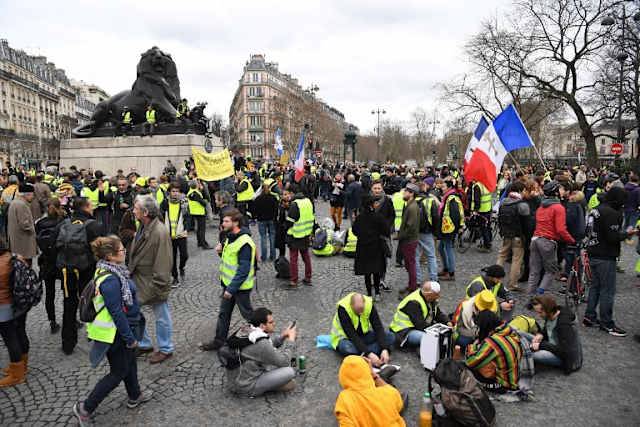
x: 156, y: 83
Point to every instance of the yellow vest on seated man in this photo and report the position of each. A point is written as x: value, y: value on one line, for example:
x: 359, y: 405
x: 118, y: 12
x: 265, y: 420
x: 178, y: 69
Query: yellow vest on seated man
x: 337, y: 333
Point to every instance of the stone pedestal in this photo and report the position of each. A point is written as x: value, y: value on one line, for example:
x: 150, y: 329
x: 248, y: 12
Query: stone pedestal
x: 148, y: 155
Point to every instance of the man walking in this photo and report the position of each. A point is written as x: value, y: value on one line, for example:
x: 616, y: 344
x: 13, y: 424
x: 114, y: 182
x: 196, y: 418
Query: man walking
x: 512, y: 219
x: 265, y: 211
x: 150, y: 267
x: 20, y: 225
x: 174, y: 210
x: 237, y: 275
x: 197, y: 209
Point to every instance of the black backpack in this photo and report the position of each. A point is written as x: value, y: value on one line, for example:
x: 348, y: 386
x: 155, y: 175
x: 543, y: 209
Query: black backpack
x: 46, y: 235
x: 25, y: 286
x: 509, y: 219
x: 320, y: 239
x: 73, y: 246
x: 465, y: 402
x: 86, y: 309
x: 230, y: 354
x: 282, y: 267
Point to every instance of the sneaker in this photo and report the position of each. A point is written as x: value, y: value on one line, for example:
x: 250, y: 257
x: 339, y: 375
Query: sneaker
x: 175, y: 283
x: 442, y: 273
x: 385, y: 287
x: 619, y: 269
x: 81, y: 414
x: 387, y: 371
x: 588, y: 323
x: 563, y: 290
x: 307, y: 282
x: 483, y: 250
x: 615, y: 331
x: 143, y: 398
x: 377, y: 298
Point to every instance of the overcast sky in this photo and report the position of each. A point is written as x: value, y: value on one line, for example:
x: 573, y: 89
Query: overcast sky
x: 362, y: 55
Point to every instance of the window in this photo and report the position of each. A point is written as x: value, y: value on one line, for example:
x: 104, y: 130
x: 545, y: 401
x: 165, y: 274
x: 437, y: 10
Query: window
x: 255, y: 77
x: 602, y: 141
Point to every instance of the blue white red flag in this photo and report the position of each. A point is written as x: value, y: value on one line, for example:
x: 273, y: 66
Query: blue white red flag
x: 278, y: 144
x: 299, y: 162
x: 490, y: 144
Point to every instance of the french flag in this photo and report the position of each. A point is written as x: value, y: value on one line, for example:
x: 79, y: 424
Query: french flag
x: 299, y: 162
x: 489, y: 145
x: 278, y: 144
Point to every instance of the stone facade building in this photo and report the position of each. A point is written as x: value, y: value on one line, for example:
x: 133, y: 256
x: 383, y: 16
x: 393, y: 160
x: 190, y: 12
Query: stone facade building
x: 38, y: 108
x: 267, y: 100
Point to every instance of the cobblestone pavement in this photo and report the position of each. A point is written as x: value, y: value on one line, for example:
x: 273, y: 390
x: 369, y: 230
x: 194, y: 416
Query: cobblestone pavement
x: 189, y: 389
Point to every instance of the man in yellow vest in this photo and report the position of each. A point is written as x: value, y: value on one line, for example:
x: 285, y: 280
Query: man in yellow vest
x: 97, y: 192
x: 416, y: 312
x: 197, y: 209
x: 126, y: 121
x: 244, y: 193
x: 491, y: 279
x: 299, y: 223
x: 237, y: 275
x: 357, y: 330
x: 157, y: 190
x: 481, y: 205
x: 174, y: 209
x: 151, y: 121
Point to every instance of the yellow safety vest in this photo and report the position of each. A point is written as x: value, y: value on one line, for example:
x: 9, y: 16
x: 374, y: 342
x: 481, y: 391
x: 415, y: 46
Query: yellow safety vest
x: 102, y: 328
x: 427, y: 202
x: 494, y: 290
x: 174, y: 216
x: 337, y: 333
x: 402, y: 321
x: 93, y: 195
x: 352, y: 242
x: 151, y: 116
x: 159, y: 195
x: 304, y: 225
x: 398, y: 207
x: 127, y: 117
x: 485, y: 198
x: 247, y: 194
x: 48, y: 178
x: 195, y: 208
x: 229, y: 263
x: 594, y: 201
x: 448, y: 226
x: 375, y: 175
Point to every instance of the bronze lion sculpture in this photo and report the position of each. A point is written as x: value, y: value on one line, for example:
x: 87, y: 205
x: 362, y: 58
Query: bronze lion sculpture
x: 156, y: 83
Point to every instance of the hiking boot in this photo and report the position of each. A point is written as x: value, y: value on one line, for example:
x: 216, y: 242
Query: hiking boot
x: 307, y: 282
x: 385, y: 287
x: 143, y: 351
x: 159, y: 357
x: 615, y: 331
x: 442, y: 273
x: 143, y: 398
x: 483, y: 249
x: 588, y: 323
x: 15, y: 374
x: 80, y: 413
x: 211, y: 345
x: 55, y: 327
x: 448, y: 278
x: 288, y: 386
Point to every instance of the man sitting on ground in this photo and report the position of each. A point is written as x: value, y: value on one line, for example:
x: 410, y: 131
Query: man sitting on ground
x: 357, y: 329
x: 416, y: 312
x: 266, y: 360
x: 464, y: 318
x: 491, y: 279
x: 366, y: 399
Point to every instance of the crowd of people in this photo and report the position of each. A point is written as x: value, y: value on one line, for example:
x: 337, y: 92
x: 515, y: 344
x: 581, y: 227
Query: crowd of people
x: 126, y: 236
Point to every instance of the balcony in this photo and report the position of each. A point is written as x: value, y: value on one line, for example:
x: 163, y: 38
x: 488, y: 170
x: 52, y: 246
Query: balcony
x: 7, y: 132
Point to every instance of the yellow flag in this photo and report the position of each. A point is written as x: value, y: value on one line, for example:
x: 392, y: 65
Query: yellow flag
x: 284, y: 159
x: 212, y: 167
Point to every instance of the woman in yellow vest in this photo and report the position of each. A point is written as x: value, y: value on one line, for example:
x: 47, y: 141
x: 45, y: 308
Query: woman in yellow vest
x: 116, y: 329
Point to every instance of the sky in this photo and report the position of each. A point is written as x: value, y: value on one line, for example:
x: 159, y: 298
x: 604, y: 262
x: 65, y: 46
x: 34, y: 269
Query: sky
x: 363, y: 55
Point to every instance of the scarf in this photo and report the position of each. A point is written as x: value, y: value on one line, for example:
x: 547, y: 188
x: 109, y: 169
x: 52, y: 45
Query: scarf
x: 121, y: 272
x: 175, y: 199
x: 514, y: 195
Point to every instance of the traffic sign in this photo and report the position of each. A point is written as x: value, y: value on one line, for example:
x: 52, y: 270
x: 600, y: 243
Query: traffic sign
x: 318, y: 153
x: 616, y: 148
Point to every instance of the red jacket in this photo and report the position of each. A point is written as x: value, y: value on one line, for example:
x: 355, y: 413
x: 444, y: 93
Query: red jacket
x: 551, y: 222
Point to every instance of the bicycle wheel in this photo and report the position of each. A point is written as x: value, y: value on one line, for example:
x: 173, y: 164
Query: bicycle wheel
x: 464, y: 240
x: 571, y: 295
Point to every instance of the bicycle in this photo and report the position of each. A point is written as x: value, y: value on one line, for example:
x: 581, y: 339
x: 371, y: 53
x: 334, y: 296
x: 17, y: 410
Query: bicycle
x: 579, y: 279
x: 471, y: 233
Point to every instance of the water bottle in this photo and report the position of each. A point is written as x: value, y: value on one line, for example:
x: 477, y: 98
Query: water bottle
x: 426, y: 409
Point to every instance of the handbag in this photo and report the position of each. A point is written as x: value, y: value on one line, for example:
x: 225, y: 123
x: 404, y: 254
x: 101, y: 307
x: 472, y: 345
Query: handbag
x: 386, y: 246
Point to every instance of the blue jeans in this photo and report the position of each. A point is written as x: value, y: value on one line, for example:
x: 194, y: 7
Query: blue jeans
x: 243, y: 300
x: 163, y: 329
x: 347, y: 348
x: 464, y: 341
x: 414, y: 338
x: 543, y: 357
x: 426, y: 243
x: 603, y: 291
x: 269, y: 227
x: 445, y: 247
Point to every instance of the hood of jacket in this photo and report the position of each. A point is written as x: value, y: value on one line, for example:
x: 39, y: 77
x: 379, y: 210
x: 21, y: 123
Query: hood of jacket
x: 508, y: 201
x: 232, y: 237
x: 355, y: 374
x: 548, y: 201
x: 630, y: 186
x: 615, y: 197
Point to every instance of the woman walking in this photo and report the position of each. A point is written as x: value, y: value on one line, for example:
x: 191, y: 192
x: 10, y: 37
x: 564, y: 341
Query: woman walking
x: 370, y: 227
x: 115, y: 331
x: 336, y: 201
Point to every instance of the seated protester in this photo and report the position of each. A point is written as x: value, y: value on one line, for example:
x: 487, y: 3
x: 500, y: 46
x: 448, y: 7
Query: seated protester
x: 357, y: 329
x: 558, y: 344
x: 366, y: 400
x: 491, y: 279
x: 416, y: 312
x: 465, y: 329
x: 266, y: 361
x: 494, y: 361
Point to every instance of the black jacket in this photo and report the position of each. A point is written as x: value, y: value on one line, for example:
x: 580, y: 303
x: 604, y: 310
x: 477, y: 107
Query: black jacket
x: 265, y: 207
x: 568, y: 347
x: 387, y: 211
x: 604, y: 224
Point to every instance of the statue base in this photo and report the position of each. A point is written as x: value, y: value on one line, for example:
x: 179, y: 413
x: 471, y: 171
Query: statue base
x: 148, y: 155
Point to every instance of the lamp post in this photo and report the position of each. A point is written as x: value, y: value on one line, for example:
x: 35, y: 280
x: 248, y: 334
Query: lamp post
x: 621, y: 57
x: 312, y: 89
x: 378, y: 112
x: 434, y: 122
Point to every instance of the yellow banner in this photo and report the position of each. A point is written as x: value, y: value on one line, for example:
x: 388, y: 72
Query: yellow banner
x: 213, y: 167
x: 284, y: 159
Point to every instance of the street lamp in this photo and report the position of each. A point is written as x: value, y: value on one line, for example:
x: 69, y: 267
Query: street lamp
x: 312, y: 89
x: 621, y: 57
x: 378, y: 112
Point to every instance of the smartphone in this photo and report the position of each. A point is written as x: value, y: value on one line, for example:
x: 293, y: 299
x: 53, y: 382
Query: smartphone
x: 293, y: 325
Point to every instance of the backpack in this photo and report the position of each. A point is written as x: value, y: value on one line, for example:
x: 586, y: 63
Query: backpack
x: 509, y: 220
x: 282, y: 268
x: 72, y: 244
x: 230, y: 354
x: 427, y: 226
x: 461, y: 395
x: 46, y: 235
x: 25, y: 286
x: 86, y: 309
x: 320, y: 239
x: 4, y: 207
